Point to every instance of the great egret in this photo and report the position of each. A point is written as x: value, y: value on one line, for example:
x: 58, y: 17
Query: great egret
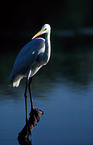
x: 31, y: 58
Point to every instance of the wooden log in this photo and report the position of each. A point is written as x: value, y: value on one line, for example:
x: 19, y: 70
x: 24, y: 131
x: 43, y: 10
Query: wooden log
x: 35, y: 115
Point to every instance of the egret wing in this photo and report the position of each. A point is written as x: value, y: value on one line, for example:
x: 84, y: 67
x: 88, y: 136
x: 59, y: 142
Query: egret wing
x: 34, y: 45
x: 27, y: 57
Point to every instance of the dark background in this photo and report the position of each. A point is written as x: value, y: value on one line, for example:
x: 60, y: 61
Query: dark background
x: 19, y: 21
x: 63, y: 89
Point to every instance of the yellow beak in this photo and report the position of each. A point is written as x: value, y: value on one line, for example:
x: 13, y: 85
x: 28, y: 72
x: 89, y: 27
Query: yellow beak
x: 39, y: 33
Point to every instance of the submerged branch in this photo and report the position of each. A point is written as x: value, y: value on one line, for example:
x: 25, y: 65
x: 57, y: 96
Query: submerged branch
x: 26, y: 131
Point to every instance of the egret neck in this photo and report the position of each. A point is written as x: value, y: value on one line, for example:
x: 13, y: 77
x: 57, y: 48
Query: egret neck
x: 47, y: 46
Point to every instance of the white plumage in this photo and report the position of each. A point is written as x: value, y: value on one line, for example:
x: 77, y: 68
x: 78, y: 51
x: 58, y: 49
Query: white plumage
x: 32, y: 57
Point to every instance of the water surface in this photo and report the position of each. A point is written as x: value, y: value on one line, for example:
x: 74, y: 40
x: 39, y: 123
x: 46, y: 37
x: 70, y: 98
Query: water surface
x: 63, y: 90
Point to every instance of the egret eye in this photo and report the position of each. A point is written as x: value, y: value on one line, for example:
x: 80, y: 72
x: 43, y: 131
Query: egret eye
x: 45, y: 29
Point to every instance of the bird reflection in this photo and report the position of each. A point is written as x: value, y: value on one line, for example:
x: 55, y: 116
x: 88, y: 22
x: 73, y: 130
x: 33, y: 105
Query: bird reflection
x: 23, y: 136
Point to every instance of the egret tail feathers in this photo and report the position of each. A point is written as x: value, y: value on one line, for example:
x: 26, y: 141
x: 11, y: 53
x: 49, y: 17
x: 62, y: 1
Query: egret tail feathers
x: 15, y: 81
x: 16, y: 84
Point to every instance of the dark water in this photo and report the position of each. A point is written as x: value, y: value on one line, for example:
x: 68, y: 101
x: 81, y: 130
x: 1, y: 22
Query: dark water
x: 63, y: 90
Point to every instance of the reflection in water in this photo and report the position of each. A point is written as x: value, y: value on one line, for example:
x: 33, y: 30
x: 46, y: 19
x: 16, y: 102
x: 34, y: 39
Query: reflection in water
x: 23, y: 136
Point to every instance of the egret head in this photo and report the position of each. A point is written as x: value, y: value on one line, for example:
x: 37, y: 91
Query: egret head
x: 45, y: 29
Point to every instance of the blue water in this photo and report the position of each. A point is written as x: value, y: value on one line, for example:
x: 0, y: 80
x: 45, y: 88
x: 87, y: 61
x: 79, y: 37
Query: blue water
x: 63, y: 90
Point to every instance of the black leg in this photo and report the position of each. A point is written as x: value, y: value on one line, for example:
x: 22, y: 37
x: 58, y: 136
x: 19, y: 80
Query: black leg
x: 25, y: 94
x: 30, y: 93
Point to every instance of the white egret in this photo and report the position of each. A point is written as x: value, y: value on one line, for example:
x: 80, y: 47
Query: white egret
x: 31, y: 58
